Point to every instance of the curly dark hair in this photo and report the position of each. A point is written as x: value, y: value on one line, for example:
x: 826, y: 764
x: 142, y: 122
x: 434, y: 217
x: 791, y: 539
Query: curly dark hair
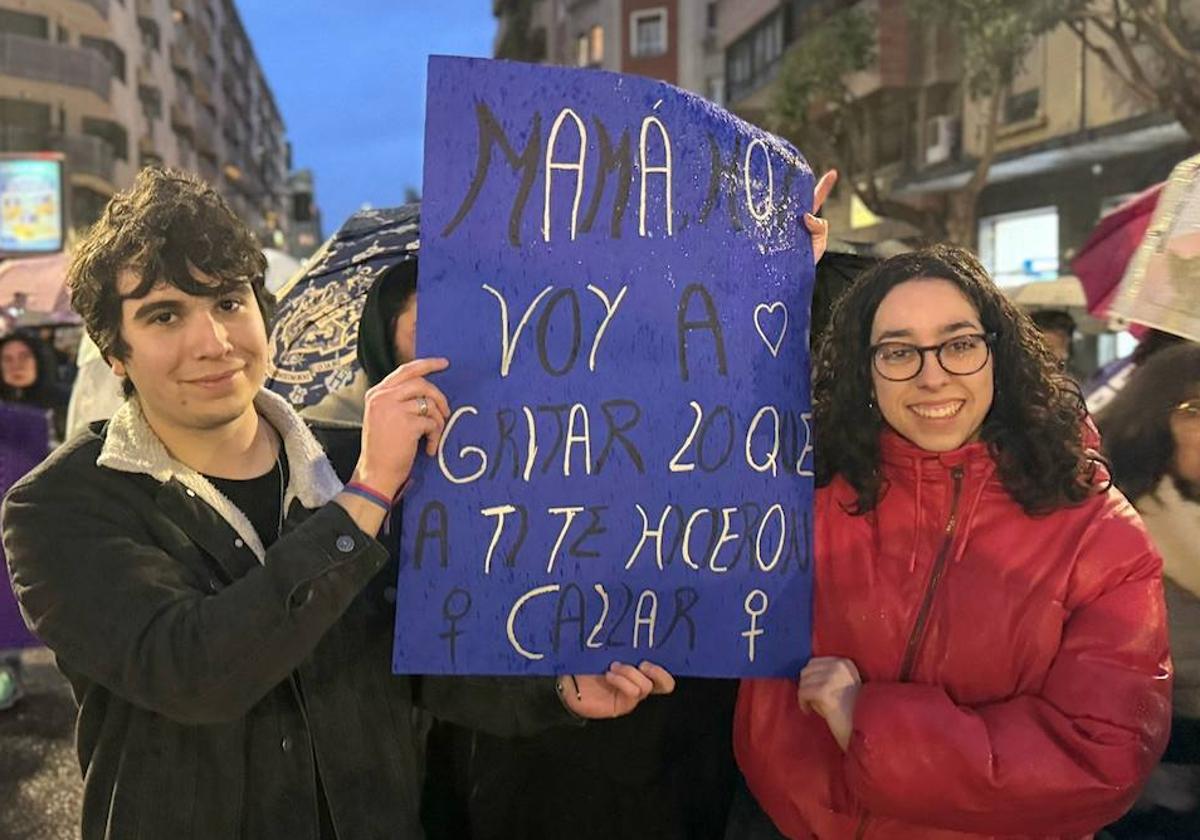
x: 165, y: 223
x: 1036, y: 426
x: 1136, y: 425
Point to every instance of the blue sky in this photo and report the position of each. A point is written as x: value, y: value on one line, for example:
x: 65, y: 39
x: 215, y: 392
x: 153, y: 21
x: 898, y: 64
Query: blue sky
x: 349, y: 78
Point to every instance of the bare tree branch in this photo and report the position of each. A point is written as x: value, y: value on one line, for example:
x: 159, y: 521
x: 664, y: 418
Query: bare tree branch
x: 1080, y: 30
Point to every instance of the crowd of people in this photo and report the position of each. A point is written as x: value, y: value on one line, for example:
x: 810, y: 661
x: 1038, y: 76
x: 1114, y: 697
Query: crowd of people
x: 997, y: 583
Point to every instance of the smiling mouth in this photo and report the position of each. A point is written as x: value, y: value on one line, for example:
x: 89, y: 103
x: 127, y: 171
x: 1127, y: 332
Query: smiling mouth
x: 940, y: 411
x: 215, y: 379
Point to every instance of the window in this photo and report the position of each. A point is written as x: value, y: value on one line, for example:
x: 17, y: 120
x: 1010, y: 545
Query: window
x: 114, y: 54
x: 18, y: 23
x: 151, y: 36
x: 151, y: 99
x: 582, y: 51
x: 1020, y: 247
x: 24, y: 125
x: 302, y: 205
x: 1019, y: 107
x: 648, y: 35
x: 1023, y: 98
x: 752, y: 60
x: 710, y: 15
x: 113, y: 133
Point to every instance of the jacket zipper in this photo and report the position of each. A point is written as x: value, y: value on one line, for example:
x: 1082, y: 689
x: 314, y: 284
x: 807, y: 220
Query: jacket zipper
x: 935, y: 578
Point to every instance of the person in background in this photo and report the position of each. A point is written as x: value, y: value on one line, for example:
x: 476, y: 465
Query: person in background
x: 29, y: 375
x: 1058, y: 331
x: 1151, y: 434
x: 1110, y: 379
x: 989, y: 635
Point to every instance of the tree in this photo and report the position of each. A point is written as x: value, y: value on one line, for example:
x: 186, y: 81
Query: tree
x: 1153, y: 46
x: 816, y: 104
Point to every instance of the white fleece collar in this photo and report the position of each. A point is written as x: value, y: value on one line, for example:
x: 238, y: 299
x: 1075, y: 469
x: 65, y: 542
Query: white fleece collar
x: 131, y: 446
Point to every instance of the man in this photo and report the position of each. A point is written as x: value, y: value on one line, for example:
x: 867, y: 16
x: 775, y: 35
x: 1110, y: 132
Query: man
x: 207, y: 584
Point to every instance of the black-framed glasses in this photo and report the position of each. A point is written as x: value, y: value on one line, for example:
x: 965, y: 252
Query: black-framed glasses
x: 1190, y: 408
x: 899, y: 361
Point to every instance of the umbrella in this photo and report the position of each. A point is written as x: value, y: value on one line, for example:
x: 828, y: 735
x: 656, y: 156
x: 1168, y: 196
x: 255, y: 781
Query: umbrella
x: 33, y: 290
x: 314, y: 342
x: 1064, y: 294
x: 1101, y: 262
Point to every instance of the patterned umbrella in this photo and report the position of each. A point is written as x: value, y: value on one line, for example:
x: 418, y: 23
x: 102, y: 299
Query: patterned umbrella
x: 314, y: 343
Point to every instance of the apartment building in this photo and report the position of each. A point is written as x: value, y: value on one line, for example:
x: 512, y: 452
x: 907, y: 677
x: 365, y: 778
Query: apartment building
x: 119, y: 84
x: 671, y: 40
x: 1073, y: 140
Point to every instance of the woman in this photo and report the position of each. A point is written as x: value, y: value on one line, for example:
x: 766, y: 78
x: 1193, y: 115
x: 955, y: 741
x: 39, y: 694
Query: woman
x: 989, y: 636
x: 28, y: 375
x: 1151, y: 433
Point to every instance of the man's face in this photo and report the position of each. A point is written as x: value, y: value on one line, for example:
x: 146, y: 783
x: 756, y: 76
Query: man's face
x: 404, y: 336
x: 197, y: 362
x: 18, y: 366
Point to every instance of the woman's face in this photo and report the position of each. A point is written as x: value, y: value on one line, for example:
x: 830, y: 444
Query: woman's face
x: 937, y: 410
x: 1185, y: 428
x: 18, y: 366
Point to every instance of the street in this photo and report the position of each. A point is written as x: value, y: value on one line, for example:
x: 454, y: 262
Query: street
x: 40, y: 787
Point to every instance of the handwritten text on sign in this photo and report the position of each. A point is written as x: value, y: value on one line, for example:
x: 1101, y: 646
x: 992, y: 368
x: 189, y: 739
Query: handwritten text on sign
x: 617, y: 271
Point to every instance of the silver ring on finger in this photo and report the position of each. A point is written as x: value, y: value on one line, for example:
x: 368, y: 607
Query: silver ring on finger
x: 422, y: 406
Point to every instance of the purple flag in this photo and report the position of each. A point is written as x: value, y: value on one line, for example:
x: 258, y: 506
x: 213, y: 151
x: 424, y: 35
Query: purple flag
x: 24, y: 442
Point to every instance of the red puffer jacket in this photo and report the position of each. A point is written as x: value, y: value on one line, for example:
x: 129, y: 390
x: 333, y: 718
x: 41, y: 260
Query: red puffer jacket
x: 1015, y: 673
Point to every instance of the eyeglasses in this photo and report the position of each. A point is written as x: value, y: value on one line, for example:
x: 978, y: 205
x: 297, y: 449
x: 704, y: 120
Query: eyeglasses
x: 898, y: 361
x: 1190, y: 408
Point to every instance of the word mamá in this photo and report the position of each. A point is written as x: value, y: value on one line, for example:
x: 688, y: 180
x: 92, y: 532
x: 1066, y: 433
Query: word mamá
x: 562, y: 152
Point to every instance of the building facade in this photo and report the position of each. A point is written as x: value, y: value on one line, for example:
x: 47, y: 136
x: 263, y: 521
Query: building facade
x: 672, y: 40
x: 120, y: 84
x: 1073, y: 141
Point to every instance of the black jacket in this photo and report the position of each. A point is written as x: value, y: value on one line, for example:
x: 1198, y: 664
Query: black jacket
x: 208, y: 682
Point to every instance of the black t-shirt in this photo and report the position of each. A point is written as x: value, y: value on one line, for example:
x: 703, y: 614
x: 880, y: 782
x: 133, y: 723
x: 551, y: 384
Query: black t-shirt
x: 261, y: 499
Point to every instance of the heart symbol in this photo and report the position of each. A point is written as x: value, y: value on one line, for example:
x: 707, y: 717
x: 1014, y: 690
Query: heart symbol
x: 773, y: 346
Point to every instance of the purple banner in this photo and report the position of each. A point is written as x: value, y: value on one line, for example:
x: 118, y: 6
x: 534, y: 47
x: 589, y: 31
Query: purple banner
x: 618, y: 272
x: 24, y: 443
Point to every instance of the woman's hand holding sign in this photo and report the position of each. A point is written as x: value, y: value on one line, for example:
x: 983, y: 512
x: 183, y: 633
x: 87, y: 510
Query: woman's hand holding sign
x: 829, y: 686
x: 616, y: 692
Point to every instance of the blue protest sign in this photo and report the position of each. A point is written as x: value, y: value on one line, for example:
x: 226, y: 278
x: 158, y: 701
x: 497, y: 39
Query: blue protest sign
x: 618, y: 272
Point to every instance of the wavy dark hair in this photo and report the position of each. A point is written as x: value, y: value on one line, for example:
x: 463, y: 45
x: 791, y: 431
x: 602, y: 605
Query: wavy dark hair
x: 1036, y: 426
x: 167, y: 221
x: 1136, y: 425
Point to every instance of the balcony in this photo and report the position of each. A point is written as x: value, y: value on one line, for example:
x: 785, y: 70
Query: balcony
x: 181, y: 60
x: 101, y: 6
x: 43, y: 61
x: 145, y: 9
x: 201, y: 36
x: 203, y: 92
x: 205, y: 142
x: 181, y: 118
x: 86, y: 155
